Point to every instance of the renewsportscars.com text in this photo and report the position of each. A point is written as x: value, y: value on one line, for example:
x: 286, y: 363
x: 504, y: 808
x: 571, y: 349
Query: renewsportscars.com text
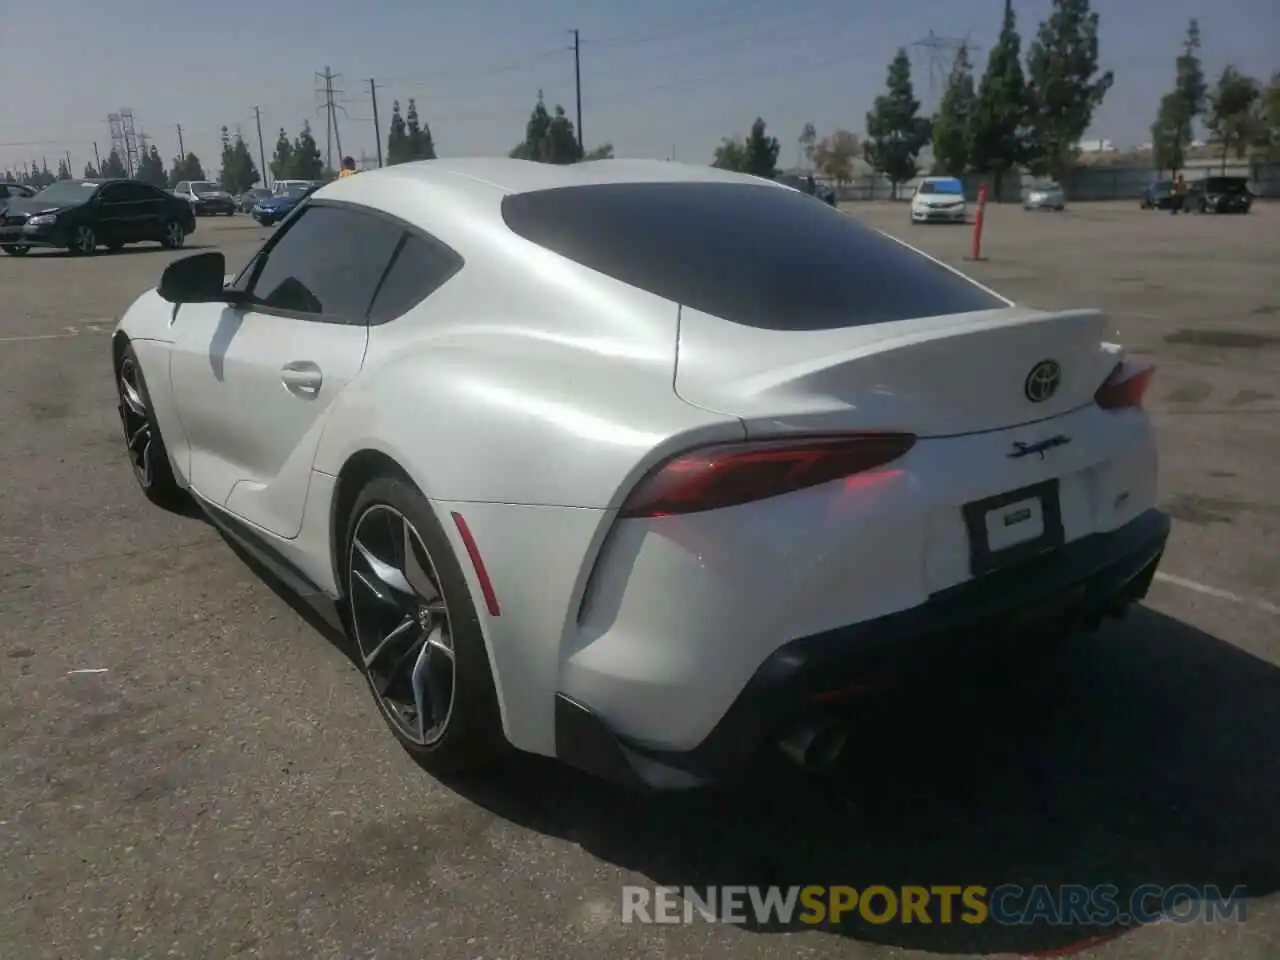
x: 1007, y: 905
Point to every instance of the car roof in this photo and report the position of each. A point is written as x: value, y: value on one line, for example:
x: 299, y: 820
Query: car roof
x: 509, y: 176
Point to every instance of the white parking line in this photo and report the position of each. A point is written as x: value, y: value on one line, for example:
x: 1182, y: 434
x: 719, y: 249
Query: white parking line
x: 38, y: 336
x: 1227, y: 595
x: 93, y: 326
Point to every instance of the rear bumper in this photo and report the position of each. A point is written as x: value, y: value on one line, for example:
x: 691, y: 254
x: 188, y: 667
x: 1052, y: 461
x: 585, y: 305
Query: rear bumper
x: 1096, y: 576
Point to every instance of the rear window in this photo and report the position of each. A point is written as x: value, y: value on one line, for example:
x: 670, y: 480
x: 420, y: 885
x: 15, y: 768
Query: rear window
x: 756, y: 255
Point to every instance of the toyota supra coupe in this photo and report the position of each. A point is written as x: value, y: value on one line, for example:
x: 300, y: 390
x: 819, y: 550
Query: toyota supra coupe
x: 640, y: 465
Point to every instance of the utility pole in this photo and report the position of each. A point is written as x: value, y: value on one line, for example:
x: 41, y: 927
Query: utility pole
x: 377, y: 131
x: 69, y: 170
x: 97, y: 160
x: 262, y: 151
x: 182, y: 152
x: 577, y: 82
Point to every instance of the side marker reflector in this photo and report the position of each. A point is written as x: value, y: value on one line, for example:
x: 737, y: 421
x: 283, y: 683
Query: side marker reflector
x: 477, y: 562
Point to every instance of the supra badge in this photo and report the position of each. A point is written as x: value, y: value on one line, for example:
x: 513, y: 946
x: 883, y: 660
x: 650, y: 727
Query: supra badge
x: 1043, y: 380
x: 1022, y: 449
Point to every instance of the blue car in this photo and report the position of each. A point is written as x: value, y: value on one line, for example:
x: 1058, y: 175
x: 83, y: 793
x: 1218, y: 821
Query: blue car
x: 275, y: 208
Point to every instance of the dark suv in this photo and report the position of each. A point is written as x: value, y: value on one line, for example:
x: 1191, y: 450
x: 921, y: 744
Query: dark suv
x: 808, y: 185
x: 1221, y: 195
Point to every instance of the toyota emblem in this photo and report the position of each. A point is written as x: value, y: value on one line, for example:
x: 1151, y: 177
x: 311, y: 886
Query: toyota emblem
x: 1043, y: 380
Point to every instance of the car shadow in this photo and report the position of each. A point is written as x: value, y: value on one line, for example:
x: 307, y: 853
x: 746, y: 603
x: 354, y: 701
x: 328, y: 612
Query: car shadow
x: 321, y: 620
x: 1149, y: 757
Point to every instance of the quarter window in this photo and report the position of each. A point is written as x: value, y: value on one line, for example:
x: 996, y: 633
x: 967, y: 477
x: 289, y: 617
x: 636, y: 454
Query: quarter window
x: 421, y: 266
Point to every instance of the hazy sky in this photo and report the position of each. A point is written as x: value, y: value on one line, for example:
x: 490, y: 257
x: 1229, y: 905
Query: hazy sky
x: 657, y: 75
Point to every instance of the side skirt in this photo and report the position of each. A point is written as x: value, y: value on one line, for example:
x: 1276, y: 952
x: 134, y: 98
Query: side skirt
x: 260, y: 549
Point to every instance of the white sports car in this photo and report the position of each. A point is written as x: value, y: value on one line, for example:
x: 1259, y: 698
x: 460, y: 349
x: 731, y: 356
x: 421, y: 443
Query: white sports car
x: 637, y: 464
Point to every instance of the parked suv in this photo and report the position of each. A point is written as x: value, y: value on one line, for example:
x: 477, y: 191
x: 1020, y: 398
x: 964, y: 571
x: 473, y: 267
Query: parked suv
x: 1221, y: 195
x: 810, y: 186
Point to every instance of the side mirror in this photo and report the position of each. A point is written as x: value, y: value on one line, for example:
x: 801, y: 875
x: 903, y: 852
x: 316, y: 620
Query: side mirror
x: 196, y: 279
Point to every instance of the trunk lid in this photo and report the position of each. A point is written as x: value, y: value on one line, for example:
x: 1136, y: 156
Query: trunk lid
x: 934, y: 377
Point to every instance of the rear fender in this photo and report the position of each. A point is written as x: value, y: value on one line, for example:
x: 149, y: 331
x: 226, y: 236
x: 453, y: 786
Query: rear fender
x: 532, y: 424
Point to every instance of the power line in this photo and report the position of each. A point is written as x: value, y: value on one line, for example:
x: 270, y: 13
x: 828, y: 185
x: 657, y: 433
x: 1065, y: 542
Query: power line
x: 419, y: 80
x: 709, y: 20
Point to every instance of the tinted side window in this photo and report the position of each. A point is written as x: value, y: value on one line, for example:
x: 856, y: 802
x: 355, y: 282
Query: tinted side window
x: 328, y: 262
x: 755, y: 255
x: 421, y: 267
x: 113, y: 193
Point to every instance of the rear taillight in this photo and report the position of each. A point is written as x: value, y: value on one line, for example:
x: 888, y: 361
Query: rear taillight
x: 730, y: 474
x: 1126, y: 386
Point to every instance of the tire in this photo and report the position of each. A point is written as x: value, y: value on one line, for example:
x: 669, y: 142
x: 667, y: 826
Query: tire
x: 84, y: 242
x: 174, y: 235
x: 409, y: 644
x: 145, y: 447
x: 16, y: 249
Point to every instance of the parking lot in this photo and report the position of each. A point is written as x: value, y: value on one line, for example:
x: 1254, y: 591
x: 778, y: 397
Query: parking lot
x: 190, y: 766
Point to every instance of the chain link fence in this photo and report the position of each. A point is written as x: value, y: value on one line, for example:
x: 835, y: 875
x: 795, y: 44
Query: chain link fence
x: 1082, y: 185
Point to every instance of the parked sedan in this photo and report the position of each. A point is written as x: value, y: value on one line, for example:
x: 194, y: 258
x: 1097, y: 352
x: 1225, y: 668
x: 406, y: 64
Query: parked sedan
x: 1045, y: 195
x: 276, y: 207
x: 14, y: 191
x: 206, y: 198
x: 641, y: 465
x: 82, y: 215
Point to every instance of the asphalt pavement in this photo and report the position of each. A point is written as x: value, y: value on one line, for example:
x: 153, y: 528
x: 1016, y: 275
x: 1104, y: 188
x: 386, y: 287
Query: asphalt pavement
x: 192, y: 767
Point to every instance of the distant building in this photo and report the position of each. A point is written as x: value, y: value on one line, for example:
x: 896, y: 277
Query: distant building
x: 1096, y: 146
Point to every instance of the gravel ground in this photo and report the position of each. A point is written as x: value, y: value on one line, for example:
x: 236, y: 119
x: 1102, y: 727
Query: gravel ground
x: 224, y: 788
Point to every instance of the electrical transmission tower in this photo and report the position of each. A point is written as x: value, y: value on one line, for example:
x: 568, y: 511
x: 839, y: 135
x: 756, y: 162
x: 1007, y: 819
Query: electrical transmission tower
x: 131, y: 157
x: 330, y: 108
x: 940, y: 55
x: 117, y: 134
x: 124, y: 139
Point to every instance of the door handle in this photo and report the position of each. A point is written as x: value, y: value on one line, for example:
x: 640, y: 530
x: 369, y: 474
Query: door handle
x: 302, y: 378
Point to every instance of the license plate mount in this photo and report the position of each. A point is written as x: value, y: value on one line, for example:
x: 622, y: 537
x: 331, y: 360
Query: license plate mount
x: 1012, y: 527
